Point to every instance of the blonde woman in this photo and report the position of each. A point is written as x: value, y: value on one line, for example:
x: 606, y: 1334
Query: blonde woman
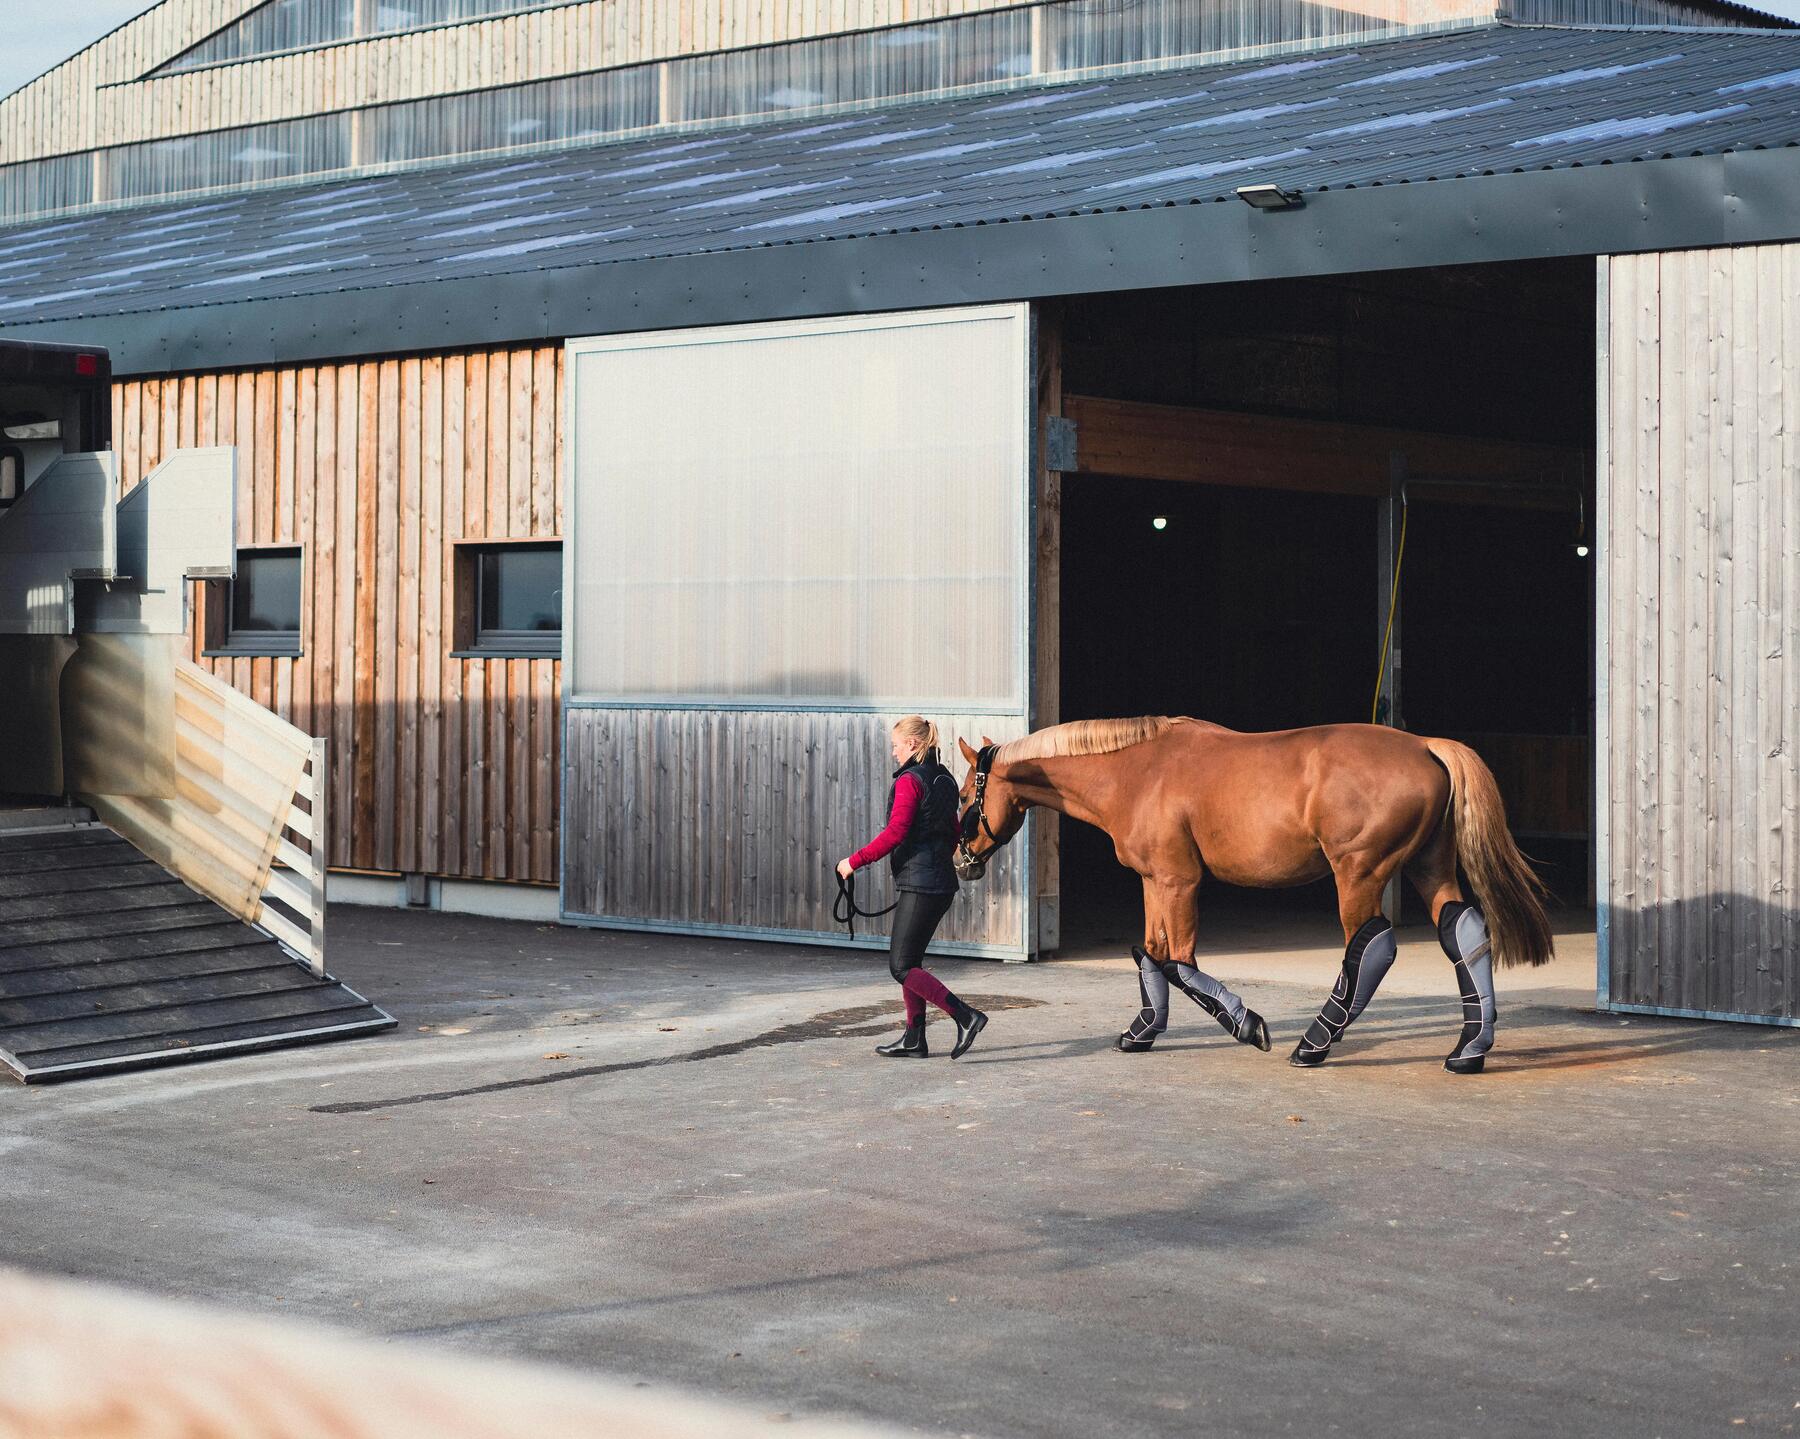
x: 918, y: 840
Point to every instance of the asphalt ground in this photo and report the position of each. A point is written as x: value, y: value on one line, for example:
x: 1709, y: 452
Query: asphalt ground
x: 679, y: 1161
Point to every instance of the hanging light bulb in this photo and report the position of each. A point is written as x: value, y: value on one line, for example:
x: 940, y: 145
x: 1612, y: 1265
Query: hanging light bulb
x: 1161, y: 522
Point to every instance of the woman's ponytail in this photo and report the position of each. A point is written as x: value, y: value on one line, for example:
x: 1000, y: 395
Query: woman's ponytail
x: 917, y: 727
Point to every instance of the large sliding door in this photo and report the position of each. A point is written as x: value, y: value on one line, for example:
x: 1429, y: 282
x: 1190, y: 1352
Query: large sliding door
x: 1699, y: 508
x: 781, y: 538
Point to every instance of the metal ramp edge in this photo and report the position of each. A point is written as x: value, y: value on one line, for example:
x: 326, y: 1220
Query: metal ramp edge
x: 108, y: 962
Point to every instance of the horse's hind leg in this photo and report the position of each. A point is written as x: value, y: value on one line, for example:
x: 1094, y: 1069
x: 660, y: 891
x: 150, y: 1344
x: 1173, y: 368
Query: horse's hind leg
x: 1462, y: 932
x: 1369, y: 951
x: 1433, y: 870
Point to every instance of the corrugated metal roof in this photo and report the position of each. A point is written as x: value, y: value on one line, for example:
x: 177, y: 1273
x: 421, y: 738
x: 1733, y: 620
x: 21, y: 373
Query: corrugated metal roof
x: 1492, y: 101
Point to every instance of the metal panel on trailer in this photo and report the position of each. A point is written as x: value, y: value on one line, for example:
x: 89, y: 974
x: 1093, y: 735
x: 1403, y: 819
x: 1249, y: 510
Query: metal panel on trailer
x: 781, y: 538
x: 1700, y: 619
x: 63, y: 527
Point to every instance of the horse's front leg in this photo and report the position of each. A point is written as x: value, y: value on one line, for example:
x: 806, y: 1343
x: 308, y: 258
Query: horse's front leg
x: 1153, y: 985
x: 1171, y: 914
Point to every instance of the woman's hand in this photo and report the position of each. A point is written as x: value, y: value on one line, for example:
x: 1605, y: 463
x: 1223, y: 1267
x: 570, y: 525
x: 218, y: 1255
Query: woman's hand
x: 845, y: 869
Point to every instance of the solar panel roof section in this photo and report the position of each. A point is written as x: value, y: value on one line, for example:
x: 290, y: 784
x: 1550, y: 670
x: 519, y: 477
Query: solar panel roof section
x: 1481, y: 102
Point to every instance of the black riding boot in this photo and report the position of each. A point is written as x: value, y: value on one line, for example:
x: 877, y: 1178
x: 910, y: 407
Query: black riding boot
x: 910, y: 1045
x: 969, y: 1021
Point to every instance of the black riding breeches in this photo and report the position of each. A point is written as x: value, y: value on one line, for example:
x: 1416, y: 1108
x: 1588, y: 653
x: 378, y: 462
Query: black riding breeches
x: 916, y: 919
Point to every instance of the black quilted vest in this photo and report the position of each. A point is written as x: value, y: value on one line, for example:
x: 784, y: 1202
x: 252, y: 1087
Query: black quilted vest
x: 921, y: 861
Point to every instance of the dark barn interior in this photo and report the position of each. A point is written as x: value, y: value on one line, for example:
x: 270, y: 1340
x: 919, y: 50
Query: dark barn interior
x: 1263, y: 605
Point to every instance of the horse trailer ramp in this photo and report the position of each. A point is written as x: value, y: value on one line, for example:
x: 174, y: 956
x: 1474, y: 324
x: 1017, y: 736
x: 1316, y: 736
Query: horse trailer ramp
x: 109, y: 962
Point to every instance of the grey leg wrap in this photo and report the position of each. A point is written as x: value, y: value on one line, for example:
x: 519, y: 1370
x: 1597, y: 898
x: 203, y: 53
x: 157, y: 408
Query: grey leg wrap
x: 1367, y: 959
x: 1153, y: 991
x: 1210, y: 995
x: 1462, y: 931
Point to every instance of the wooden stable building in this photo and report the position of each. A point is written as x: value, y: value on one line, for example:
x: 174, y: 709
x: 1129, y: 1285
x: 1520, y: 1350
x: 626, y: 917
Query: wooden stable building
x: 723, y: 302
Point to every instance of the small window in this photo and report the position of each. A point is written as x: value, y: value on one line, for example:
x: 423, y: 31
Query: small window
x: 509, y: 599
x: 258, y: 612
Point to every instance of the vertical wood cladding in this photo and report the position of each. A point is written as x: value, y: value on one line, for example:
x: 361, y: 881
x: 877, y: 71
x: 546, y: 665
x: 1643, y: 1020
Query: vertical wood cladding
x: 727, y: 819
x: 376, y: 468
x: 1700, y: 392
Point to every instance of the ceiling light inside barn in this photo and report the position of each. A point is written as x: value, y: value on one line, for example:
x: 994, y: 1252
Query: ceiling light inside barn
x: 1581, y: 550
x: 1161, y: 522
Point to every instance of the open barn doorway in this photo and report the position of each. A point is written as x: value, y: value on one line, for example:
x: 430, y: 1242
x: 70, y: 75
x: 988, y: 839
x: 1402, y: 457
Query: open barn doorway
x: 1252, y: 460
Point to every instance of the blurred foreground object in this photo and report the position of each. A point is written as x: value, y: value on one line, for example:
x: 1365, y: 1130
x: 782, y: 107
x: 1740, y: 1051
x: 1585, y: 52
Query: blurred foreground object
x: 79, y: 1361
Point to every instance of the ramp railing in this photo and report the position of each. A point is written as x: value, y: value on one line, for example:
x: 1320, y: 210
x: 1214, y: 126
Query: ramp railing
x: 223, y: 793
x: 263, y: 782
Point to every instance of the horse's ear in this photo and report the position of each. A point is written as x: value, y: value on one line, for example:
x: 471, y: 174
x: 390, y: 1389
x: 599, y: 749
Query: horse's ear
x: 986, y: 743
x: 967, y: 753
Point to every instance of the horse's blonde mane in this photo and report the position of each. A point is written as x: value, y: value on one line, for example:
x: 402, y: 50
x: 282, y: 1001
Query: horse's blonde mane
x: 1101, y: 736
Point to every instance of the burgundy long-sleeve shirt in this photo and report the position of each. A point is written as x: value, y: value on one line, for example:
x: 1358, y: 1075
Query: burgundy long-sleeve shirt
x: 909, y: 789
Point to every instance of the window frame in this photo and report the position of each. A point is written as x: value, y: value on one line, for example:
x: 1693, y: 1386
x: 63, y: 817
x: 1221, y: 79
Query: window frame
x: 220, y: 641
x: 16, y: 454
x: 469, y: 641
x: 165, y: 68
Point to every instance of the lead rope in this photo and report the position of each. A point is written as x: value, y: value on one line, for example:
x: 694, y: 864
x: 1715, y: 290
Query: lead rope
x: 844, y: 910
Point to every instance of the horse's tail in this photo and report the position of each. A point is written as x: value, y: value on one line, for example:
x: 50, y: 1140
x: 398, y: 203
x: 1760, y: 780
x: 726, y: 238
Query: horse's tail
x: 1509, y: 891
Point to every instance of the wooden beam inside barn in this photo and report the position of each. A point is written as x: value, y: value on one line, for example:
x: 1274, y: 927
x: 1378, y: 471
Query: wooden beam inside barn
x: 1221, y: 447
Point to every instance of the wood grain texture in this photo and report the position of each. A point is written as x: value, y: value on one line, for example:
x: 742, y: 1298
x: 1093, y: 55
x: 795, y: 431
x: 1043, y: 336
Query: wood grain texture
x: 1702, y: 395
x: 735, y: 818
x: 1220, y: 447
x: 375, y: 469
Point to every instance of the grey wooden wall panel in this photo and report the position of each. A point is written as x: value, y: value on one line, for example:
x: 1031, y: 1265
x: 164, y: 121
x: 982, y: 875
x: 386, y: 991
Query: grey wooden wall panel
x: 1701, y: 398
x: 733, y: 819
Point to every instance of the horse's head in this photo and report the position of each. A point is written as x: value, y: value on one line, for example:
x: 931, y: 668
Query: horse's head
x: 991, y: 812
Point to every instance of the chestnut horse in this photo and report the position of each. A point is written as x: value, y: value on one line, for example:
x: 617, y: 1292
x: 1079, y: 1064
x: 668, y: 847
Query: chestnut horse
x: 1183, y: 799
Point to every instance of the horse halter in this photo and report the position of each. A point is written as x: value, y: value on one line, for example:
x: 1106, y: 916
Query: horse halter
x: 970, y: 866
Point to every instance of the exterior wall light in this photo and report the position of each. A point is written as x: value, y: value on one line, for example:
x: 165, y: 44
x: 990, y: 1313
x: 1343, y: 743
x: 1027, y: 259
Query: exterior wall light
x: 1270, y: 197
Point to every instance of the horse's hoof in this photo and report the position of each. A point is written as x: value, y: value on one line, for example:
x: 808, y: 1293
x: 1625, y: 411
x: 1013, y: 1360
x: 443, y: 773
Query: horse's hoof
x: 1255, y: 1032
x: 1128, y: 1045
x: 1304, y: 1058
x: 1471, y: 1065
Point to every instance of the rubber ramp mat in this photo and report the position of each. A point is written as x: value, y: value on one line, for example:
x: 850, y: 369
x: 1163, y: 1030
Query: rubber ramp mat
x: 109, y: 962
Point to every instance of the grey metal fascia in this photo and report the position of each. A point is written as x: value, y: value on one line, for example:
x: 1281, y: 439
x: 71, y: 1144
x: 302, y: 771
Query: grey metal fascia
x: 1739, y: 198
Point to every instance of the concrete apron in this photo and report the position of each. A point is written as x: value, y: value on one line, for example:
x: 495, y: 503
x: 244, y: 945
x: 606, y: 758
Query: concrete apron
x: 681, y: 1162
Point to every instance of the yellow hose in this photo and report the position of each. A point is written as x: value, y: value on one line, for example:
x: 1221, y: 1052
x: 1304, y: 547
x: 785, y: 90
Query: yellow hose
x: 1387, y: 637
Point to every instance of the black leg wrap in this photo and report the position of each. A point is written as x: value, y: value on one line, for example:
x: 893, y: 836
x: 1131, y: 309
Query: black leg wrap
x: 1367, y: 959
x: 1462, y: 931
x: 1153, y: 1015
x: 1243, y: 1024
